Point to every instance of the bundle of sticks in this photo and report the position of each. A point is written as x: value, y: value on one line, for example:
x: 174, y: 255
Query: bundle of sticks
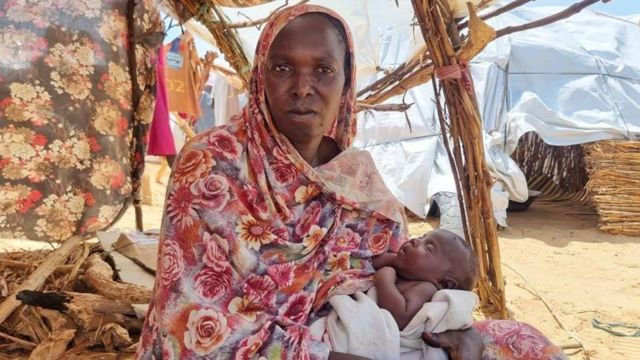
x: 614, y: 184
x: 66, y: 304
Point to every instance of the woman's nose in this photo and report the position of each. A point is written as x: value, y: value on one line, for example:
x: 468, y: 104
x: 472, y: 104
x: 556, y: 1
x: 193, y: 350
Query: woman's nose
x: 302, y: 85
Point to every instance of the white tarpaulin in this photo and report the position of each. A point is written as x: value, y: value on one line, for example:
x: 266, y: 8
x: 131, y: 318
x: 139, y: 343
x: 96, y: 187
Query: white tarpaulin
x: 572, y: 82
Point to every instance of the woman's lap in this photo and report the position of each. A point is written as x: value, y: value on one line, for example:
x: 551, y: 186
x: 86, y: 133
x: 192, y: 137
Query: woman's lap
x: 509, y: 339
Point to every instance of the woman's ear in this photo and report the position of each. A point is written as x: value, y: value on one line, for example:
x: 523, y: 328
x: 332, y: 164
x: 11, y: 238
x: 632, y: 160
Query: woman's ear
x: 448, y: 283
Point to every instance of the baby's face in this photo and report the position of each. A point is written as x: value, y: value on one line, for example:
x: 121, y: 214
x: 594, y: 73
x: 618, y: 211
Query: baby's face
x: 429, y: 257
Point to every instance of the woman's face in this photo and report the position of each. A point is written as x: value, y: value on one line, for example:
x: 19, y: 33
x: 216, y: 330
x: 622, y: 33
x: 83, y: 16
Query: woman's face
x: 305, y: 78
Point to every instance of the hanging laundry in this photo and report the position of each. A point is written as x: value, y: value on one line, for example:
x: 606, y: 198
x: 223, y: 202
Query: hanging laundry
x: 183, y: 76
x: 160, y: 137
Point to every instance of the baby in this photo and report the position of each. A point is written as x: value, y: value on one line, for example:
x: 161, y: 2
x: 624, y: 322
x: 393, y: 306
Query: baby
x: 437, y: 260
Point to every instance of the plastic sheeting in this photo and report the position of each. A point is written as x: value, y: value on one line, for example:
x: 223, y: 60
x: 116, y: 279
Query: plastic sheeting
x: 572, y: 82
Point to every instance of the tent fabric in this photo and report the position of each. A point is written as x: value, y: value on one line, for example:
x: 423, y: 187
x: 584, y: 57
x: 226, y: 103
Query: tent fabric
x: 68, y: 149
x: 572, y: 82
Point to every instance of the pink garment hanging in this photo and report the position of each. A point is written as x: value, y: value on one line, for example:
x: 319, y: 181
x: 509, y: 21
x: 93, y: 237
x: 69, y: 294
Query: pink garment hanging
x: 160, y: 135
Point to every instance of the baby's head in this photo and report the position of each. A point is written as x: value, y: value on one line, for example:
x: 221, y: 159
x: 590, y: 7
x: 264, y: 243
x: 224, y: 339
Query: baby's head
x: 440, y: 257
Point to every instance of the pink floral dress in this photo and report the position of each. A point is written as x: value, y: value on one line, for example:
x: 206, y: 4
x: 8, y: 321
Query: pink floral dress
x: 254, y: 240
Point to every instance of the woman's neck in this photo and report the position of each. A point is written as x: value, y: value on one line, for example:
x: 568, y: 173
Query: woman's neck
x: 318, y: 152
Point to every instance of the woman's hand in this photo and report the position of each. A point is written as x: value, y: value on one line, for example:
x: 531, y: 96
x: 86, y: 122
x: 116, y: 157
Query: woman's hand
x: 460, y: 344
x: 344, y: 356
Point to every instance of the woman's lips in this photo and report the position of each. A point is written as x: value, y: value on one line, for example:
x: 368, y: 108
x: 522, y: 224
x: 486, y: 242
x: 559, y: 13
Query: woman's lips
x: 302, y: 114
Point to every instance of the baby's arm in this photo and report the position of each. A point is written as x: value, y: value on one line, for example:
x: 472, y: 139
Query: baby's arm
x: 405, y: 306
x: 383, y: 260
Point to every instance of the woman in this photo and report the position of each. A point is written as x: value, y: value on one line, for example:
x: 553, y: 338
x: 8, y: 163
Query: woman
x: 269, y: 216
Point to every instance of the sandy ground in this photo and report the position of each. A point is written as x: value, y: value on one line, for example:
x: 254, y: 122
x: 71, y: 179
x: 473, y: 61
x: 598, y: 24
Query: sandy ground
x: 551, y: 250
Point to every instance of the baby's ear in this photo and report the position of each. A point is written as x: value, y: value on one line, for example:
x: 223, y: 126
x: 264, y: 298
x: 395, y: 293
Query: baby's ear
x: 448, y: 284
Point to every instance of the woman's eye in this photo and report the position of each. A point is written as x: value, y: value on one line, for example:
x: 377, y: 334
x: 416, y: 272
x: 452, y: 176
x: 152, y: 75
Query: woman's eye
x: 281, y: 68
x: 325, y: 69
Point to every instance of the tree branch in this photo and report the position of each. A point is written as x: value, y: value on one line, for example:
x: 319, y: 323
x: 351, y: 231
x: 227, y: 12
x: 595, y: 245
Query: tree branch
x: 571, y: 10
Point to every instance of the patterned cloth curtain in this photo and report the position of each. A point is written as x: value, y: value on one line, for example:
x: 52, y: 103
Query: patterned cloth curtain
x: 71, y: 122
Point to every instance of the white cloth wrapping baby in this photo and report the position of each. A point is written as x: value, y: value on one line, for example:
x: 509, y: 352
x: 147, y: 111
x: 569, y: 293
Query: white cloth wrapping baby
x: 356, y: 325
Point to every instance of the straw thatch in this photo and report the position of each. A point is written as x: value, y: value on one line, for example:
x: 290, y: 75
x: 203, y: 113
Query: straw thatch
x: 614, y: 184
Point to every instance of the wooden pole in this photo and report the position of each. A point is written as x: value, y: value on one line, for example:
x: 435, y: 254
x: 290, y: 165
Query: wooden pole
x: 39, y: 275
x: 464, y: 134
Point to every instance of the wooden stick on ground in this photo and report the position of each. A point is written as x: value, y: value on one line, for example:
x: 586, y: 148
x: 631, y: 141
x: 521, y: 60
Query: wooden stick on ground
x: 39, y: 275
x: 99, y: 276
x: 55, y: 346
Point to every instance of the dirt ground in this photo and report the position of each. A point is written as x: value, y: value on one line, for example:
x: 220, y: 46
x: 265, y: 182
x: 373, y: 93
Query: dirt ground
x: 552, y: 250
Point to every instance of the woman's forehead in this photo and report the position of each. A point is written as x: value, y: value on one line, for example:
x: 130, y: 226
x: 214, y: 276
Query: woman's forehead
x: 308, y: 30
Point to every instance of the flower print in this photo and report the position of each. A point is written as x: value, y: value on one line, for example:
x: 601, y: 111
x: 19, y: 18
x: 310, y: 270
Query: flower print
x: 525, y: 341
x: 243, y: 307
x: 282, y: 274
x: 210, y: 283
x: 192, y: 166
x: 28, y: 11
x: 58, y: 216
x: 181, y: 208
x: 27, y: 103
x: 113, y: 29
x: 380, y: 242
x: 259, y: 295
x: 297, y: 307
x: 171, y: 262
x: 107, y: 174
x: 224, y: 144
x: 254, y: 200
x: 339, y: 261
x: 85, y: 8
x: 306, y: 193
x: 19, y: 47
x: 106, y: 215
x: 260, y: 291
x: 214, y: 256
x: 248, y: 347
x: 297, y: 335
x: 108, y: 119
x: 72, y: 65
x: 206, y: 330
x: 285, y: 173
x: 281, y: 234
x: 211, y: 193
x: 254, y: 233
x: 313, y: 238
x: 346, y: 240
x: 117, y: 84
x: 17, y: 198
x: 309, y: 217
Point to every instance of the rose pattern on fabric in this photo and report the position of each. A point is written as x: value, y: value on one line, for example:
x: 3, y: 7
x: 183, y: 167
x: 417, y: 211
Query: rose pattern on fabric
x: 214, y: 256
x: 171, y: 262
x: 67, y: 115
x: 211, y: 192
x: 224, y: 144
x: 210, y: 283
x: 206, y: 330
x: 254, y: 226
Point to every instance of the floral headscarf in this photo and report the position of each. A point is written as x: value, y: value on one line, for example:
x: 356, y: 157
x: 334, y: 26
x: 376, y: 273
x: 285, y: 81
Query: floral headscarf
x: 255, y: 240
